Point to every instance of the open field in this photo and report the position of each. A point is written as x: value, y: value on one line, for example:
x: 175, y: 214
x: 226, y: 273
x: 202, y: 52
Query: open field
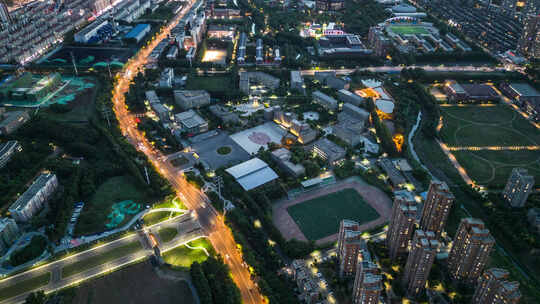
x: 491, y: 126
x: 406, y: 29
x: 120, y: 287
x: 94, y: 216
x: 100, y: 259
x: 157, y: 217
x: 25, y: 286
x: 167, y: 234
x: 182, y: 256
x: 316, y: 215
x: 214, y: 84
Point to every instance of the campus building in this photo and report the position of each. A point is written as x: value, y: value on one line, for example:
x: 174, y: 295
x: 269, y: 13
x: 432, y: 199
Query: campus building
x: 529, y: 43
x: 470, y: 250
x: 367, y: 283
x: 282, y: 157
x: 252, y: 173
x: 350, y: 246
x: 324, y: 100
x: 297, y: 81
x: 378, y: 41
x: 249, y: 78
x: 349, y: 97
x: 328, y: 150
x: 437, y: 206
x: 421, y: 256
x: 34, y: 198
x: 329, y: 5
x: 9, y: 232
x: 191, y: 122
x: 191, y: 99
x: 401, y: 224
x: 11, y: 121
x: 493, y: 287
x: 7, y: 150
x: 518, y: 187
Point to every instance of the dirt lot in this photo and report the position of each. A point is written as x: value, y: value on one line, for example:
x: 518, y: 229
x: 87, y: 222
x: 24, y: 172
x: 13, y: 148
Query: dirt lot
x: 134, y: 285
x: 372, y: 195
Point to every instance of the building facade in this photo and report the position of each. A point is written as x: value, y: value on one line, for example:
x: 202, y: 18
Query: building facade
x: 350, y: 243
x: 437, y: 206
x: 191, y: 99
x: 423, y: 251
x: 324, y: 100
x: 367, y: 283
x: 402, y: 222
x: 493, y: 287
x: 9, y: 232
x: 470, y: 250
x: 518, y: 187
x: 33, y: 199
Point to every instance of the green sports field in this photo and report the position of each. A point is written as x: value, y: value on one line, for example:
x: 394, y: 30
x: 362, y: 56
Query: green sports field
x: 320, y: 217
x: 408, y: 29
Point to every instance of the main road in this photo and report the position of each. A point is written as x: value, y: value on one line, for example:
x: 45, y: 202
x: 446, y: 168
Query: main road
x: 213, y: 224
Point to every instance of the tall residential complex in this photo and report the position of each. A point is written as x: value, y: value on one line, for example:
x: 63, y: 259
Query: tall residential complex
x: 33, y: 199
x: 9, y: 231
x: 470, y: 250
x: 437, y: 206
x: 367, y: 283
x: 529, y: 42
x: 518, y: 187
x: 401, y: 224
x: 5, y: 17
x: 493, y: 287
x: 423, y: 251
x: 350, y: 243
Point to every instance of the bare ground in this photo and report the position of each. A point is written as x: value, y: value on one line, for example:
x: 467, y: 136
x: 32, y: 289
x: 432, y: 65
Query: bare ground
x: 372, y: 195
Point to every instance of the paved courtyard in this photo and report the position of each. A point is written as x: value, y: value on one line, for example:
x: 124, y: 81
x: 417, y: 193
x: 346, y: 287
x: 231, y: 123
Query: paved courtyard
x: 253, y: 139
x: 207, y: 151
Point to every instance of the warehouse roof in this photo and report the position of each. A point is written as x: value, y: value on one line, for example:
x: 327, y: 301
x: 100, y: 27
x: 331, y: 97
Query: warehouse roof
x: 252, y: 173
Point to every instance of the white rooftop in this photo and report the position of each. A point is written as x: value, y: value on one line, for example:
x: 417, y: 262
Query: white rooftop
x: 252, y: 173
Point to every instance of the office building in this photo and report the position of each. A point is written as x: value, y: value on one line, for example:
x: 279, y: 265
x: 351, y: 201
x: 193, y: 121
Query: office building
x: 297, y: 81
x: 470, y: 250
x: 34, y: 198
x: 191, y: 99
x: 367, y: 283
x: 529, y: 42
x: 328, y: 150
x: 7, y: 150
x: 493, y: 287
x: 350, y: 245
x: 9, y: 232
x: 401, y: 224
x: 324, y: 100
x: 191, y: 122
x: 518, y: 187
x: 11, y: 121
x: 437, y: 206
x: 424, y: 248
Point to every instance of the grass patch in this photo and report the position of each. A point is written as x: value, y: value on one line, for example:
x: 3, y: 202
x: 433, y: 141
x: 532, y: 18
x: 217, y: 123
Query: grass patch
x: 214, y: 84
x: 182, y: 257
x: 167, y: 234
x: 103, y: 258
x: 405, y: 29
x: 115, y: 189
x: 158, y: 217
x: 170, y: 202
x: 31, y: 251
x: 25, y: 286
x: 320, y: 217
x: 224, y: 150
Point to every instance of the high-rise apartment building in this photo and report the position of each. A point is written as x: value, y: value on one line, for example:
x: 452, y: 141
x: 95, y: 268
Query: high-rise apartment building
x: 437, y: 206
x: 401, y: 224
x: 470, y: 250
x: 529, y: 42
x: 493, y: 287
x: 9, y: 232
x: 350, y: 244
x: 5, y: 17
x: 423, y: 251
x: 367, y: 283
x: 518, y: 187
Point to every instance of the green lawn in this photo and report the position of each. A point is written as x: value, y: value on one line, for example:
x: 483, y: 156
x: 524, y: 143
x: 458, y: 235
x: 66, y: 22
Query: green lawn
x: 183, y: 257
x: 103, y: 258
x: 25, y: 286
x: 116, y: 189
x: 156, y: 217
x: 167, y: 234
x: 407, y: 29
x: 320, y: 217
x: 214, y: 84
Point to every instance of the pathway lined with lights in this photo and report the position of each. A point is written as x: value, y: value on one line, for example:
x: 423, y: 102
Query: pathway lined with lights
x: 495, y: 148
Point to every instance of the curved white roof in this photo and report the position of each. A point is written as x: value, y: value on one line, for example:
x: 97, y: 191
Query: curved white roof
x: 403, y: 8
x: 385, y: 106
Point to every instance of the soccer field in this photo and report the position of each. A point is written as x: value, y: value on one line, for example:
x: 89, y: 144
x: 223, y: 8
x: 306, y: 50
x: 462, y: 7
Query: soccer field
x: 407, y: 29
x: 320, y: 217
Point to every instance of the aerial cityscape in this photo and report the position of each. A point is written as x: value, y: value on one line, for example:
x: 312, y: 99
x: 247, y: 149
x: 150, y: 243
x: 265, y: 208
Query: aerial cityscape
x: 270, y: 151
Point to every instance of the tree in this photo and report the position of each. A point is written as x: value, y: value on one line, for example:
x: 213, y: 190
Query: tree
x: 37, y: 297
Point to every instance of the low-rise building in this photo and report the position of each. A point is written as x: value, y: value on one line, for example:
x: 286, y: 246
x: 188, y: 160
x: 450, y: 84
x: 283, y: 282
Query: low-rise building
x: 324, y: 100
x: 11, y: 121
x: 336, y: 83
x: 138, y: 32
x: 161, y: 111
x: 172, y: 53
x: 282, y: 157
x: 526, y: 96
x: 9, y: 232
x: 349, y: 97
x: 191, y: 99
x: 396, y: 178
x: 297, y: 81
x: 166, y: 78
x: 191, y: 122
x: 328, y: 150
x: 267, y: 80
x: 252, y: 174
x: 7, y: 150
x: 225, y: 115
x: 34, y: 198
